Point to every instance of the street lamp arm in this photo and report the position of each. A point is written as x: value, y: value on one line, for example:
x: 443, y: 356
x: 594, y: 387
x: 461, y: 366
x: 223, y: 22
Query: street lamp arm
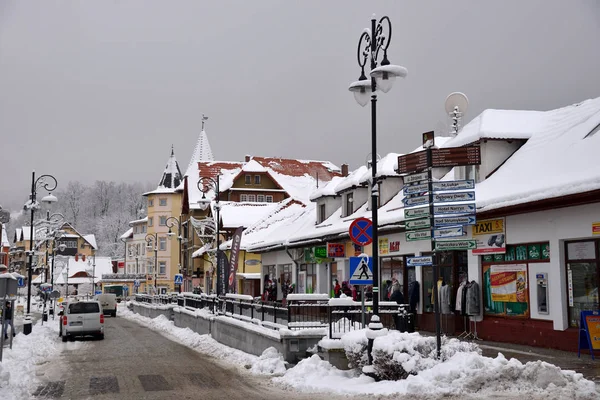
x: 171, y: 222
x: 41, y: 182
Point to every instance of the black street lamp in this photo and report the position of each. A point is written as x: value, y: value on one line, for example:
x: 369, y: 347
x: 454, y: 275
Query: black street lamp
x: 370, y: 44
x: 49, y: 183
x: 149, y: 239
x: 205, y: 184
x: 48, y: 235
x: 172, y: 222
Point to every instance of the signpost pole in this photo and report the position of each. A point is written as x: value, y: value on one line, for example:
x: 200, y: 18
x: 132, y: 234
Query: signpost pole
x: 362, y: 302
x: 436, y: 297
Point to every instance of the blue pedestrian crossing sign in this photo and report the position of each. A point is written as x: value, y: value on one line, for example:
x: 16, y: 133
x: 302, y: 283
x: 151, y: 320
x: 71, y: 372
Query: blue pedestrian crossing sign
x: 361, y: 270
x: 178, y: 279
x: 136, y: 283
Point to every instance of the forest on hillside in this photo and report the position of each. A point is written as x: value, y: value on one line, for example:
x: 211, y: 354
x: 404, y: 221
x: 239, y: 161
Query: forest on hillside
x: 101, y: 208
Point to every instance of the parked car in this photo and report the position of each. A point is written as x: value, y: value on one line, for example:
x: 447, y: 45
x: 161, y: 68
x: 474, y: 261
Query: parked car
x: 82, y: 318
x: 109, y: 303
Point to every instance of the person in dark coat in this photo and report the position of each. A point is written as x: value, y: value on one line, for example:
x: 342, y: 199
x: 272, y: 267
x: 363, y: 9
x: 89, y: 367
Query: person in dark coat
x: 337, y: 289
x: 7, y: 320
x: 397, y: 295
x: 346, y: 290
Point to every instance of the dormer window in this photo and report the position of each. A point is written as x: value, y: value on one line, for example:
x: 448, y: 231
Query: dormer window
x: 322, y: 215
x: 349, y: 204
x: 257, y: 179
x: 248, y: 179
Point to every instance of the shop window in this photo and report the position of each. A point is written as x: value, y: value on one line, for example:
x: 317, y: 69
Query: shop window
x: 391, y: 268
x: 506, y: 290
x: 582, y: 278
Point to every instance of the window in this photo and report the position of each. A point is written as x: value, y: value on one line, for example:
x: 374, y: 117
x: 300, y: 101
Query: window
x: 248, y: 179
x: 163, y: 220
x: 162, y: 244
x: 150, y: 202
x: 162, y: 202
x: 269, y: 198
x: 162, y: 267
x: 150, y: 221
x: 244, y: 197
x: 143, y: 228
x: 150, y: 265
x: 135, y: 229
x: 582, y: 278
x: 260, y: 198
x: 349, y: 201
x: 257, y: 179
x: 82, y: 245
x: 251, y: 197
x: 82, y: 307
x: 322, y: 215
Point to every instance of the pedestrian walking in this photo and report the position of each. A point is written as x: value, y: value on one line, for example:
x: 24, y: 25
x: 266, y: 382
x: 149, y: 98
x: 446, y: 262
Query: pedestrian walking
x: 7, y: 320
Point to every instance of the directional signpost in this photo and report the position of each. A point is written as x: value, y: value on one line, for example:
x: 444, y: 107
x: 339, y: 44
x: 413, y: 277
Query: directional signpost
x: 446, y: 213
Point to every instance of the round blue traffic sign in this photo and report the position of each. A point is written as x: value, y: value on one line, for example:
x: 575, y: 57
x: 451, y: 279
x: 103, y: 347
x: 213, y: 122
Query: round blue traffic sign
x: 361, y: 231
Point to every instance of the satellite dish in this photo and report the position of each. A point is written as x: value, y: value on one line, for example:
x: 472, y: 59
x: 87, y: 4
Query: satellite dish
x: 457, y: 99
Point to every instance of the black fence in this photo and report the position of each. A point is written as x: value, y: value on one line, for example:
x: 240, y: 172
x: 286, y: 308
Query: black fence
x: 293, y: 315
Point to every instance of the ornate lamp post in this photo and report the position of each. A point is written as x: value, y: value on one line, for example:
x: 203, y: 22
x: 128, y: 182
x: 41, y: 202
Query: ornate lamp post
x: 153, y: 237
x: 49, y: 183
x: 371, y: 43
x: 174, y: 222
x: 205, y: 184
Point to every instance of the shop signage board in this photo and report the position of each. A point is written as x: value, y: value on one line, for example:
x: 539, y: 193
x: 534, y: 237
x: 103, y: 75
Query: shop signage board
x: 412, y: 213
x: 453, y: 185
x: 418, y: 223
x: 490, y: 236
x: 415, y: 201
x: 455, y: 245
x: 414, y: 189
x: 452, y: 231
x: 452, y: 197
x: 508, y: 283
x: 451, y: 221
x: 418, y: 235
x: 336, y: 250
x: 419, y: 261
x: 595, y: 228
x: 421, y: 176
x: 414, y: 162
x: 454, y: 209
x: 589, y: 332
x: 361, y: 231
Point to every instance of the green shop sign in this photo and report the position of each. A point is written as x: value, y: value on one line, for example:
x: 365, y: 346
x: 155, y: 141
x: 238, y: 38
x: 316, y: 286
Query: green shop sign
x: 316, y: 254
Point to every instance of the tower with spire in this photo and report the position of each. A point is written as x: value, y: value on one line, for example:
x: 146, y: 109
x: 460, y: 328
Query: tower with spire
x: 162, y: 203
x: 202, y: 152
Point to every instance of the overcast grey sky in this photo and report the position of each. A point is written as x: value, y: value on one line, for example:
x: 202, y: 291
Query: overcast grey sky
x: 101, y: 89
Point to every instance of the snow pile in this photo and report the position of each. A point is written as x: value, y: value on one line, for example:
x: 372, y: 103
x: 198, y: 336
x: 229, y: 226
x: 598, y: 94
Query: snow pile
x: 269, y: 363
x: 18, y: 366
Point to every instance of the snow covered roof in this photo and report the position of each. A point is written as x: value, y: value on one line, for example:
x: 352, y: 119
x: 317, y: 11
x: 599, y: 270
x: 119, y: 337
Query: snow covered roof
x: 138, y: 221
x: 171, y: 177
x: 352, y: 180
x: 103, y: 266
x: 253, y: 166
x: 559, y: 158
x: 26, y: 232
x: 91, y: 239
x: 236, y: 214
x: 327, y: 188
x: 4, y: 239
x: 440, y: 141
x: 202, y: 152
x: 128, y: 234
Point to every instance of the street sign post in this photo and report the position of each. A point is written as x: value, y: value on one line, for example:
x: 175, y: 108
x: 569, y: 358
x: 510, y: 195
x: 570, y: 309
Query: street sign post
x: 412, y: 213
x: 454, y: 209
x: 419, y: 261
x: 361, y: 231
x: 453, y: 185
x: 446, y: 245
x: 361, y: 270
x: 453, y: 231
x: 418, y: 235
x: 418, y: 223
x: 452, y: 197
x: 421, y: 176
x: 415, y: 201
x: 414, y: 189
x: 451, y: 221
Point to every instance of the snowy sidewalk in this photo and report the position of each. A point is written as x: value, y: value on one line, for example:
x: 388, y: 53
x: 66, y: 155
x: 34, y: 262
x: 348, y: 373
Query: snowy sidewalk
x: 465, y: 374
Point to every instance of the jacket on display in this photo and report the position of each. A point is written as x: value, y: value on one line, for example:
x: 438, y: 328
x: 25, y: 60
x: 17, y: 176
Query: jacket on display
x: 473, y: 300
x: 444, y: 294
x: 413, y: 295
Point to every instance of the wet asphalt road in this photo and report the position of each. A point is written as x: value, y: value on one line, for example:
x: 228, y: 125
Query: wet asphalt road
x: 134, y: 362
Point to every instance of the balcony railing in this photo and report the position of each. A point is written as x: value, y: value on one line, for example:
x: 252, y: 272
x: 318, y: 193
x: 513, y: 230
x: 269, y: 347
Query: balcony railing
x: 121, y: 277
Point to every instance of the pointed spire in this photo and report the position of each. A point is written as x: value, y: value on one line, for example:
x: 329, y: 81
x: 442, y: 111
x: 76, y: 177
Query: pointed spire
x: 171, y: 177
x: 202, y: 152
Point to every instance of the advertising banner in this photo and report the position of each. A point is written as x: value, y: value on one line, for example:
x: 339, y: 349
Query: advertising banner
x: 509, y: 283
x: 384, y: 246
x: 490, y: 236
x: 233, y: 261
x: 336, y: 250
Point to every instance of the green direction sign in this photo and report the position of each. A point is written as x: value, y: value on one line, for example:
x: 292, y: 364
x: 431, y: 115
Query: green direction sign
x: 418, y: 235
x: 412, y: 213
x: 455, y: 245
x: 418, y: 223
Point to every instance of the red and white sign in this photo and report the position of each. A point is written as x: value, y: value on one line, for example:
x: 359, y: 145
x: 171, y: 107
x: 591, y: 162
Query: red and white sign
x: 336, y: 250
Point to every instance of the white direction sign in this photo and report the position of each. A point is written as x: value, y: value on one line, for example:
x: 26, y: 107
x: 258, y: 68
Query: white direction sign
x: 448, y: 232
x: 418, y: 223
x: 453, y: 185
x: 414, y: 189
x: 450, y: 197
x: 455, y: 245
x: 415, y: 201
x: 412, y: 213
x: 421, y: 176
x: 454, y: 209
x: 451, y: 221
x: 418, y: 235
x: 419, y: 261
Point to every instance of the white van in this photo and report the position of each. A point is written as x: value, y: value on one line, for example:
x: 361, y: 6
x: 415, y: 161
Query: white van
x: 109, y: 303
x: 82, y: 318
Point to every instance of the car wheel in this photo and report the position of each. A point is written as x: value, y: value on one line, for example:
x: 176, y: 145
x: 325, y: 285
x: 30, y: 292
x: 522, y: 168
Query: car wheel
x: 65, y: 338
x: 101, y: 336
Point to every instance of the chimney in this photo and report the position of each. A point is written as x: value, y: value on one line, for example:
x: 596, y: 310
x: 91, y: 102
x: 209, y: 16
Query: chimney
x: 344, y: 169
x: 248, y: 157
